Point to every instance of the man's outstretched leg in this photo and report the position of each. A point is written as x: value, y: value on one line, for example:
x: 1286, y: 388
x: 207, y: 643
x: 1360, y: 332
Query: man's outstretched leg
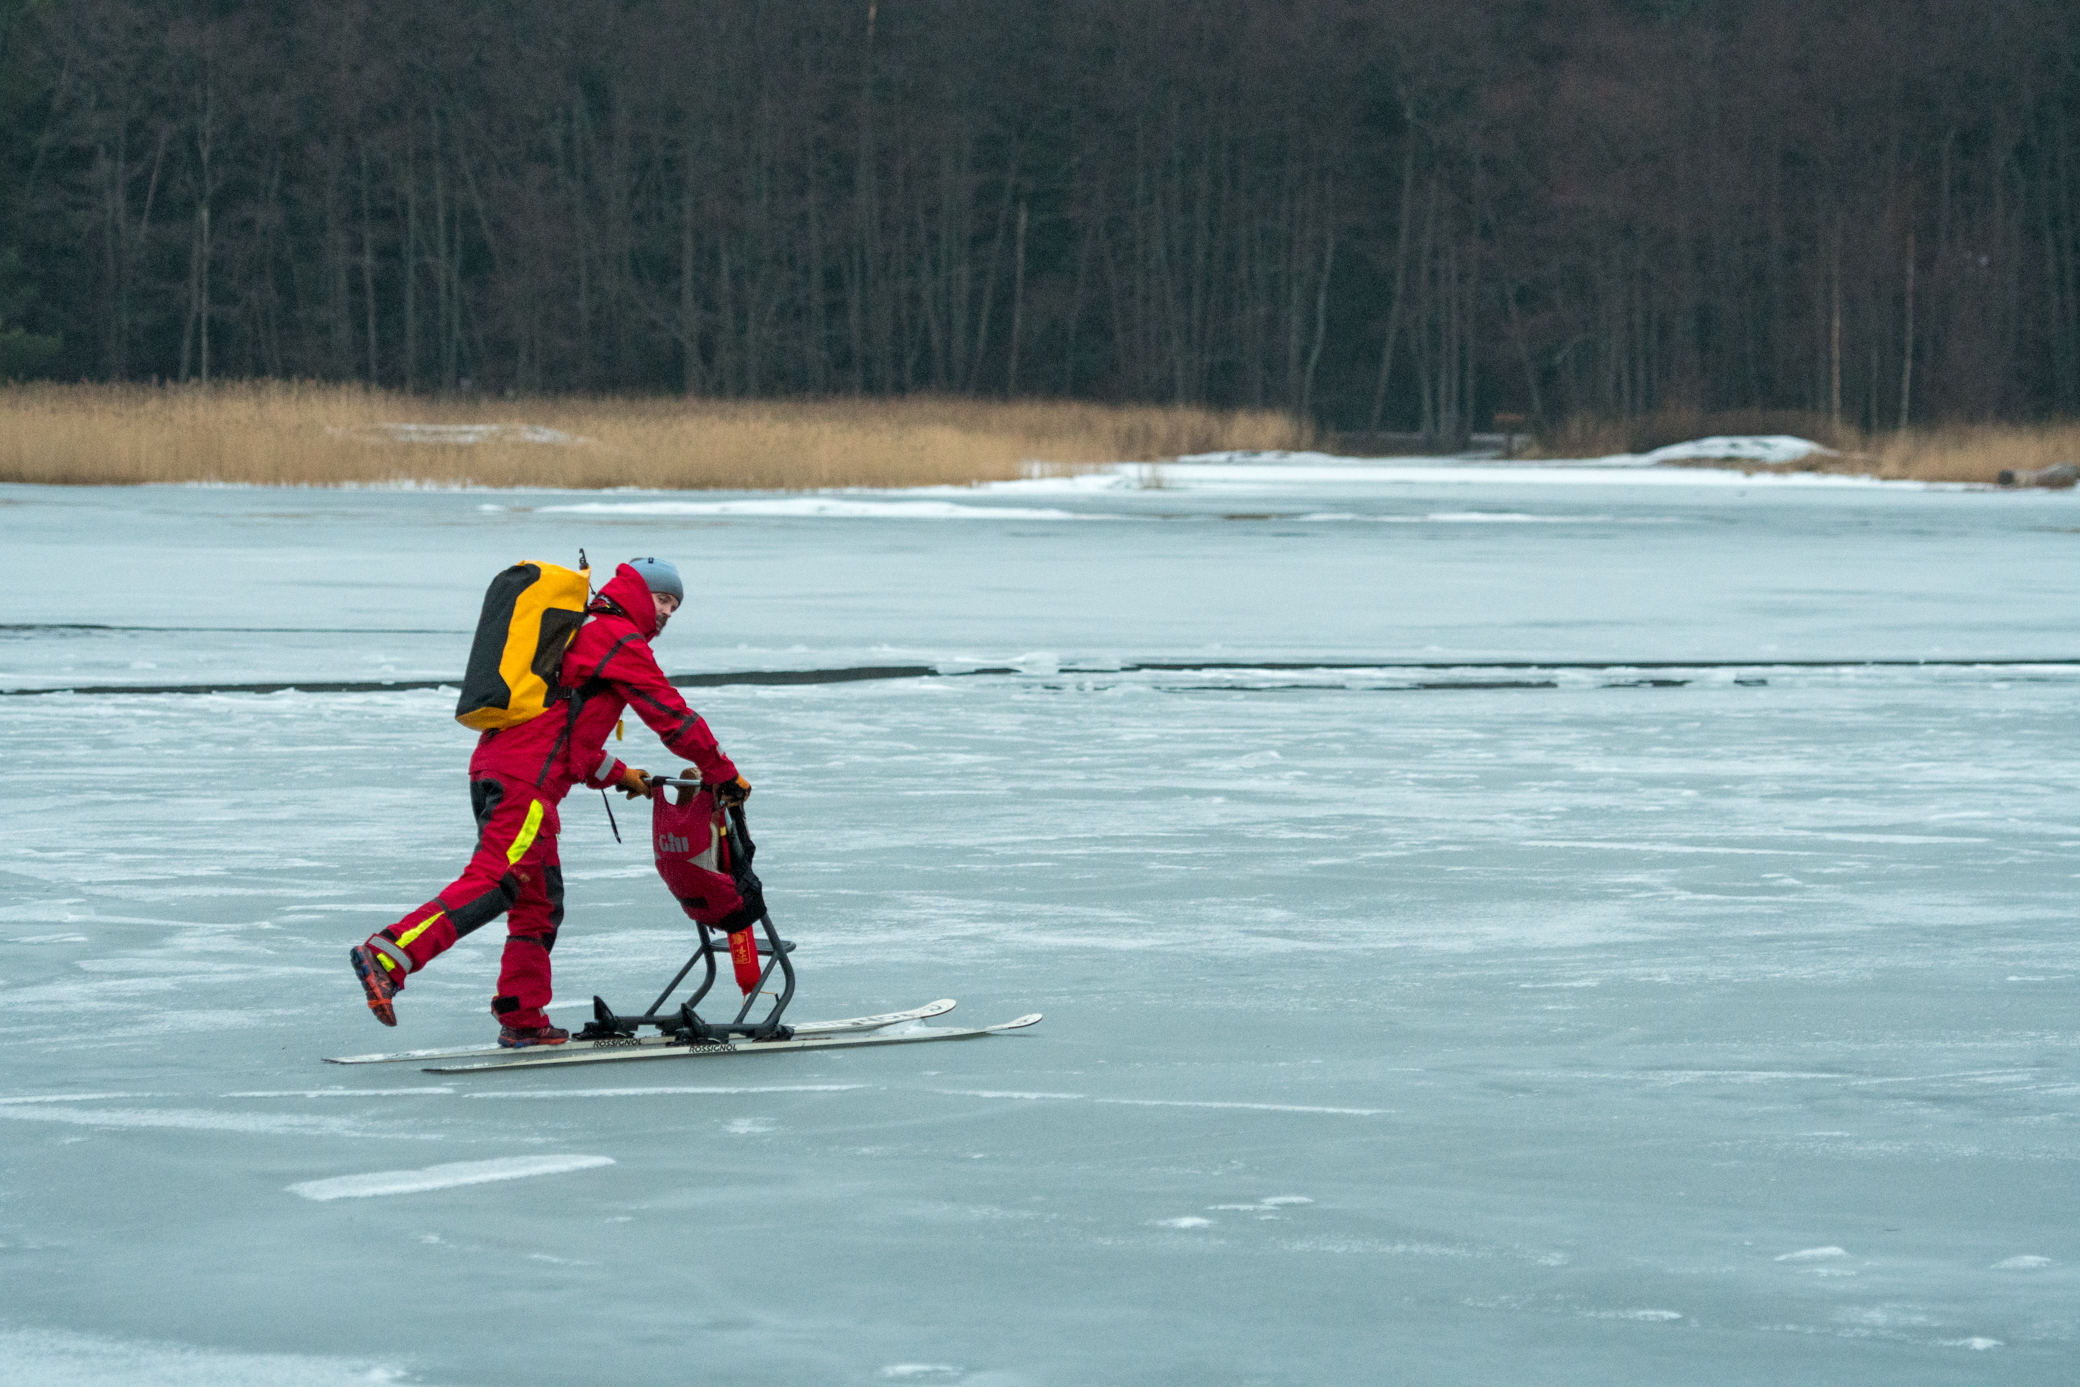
x: 516, y: 831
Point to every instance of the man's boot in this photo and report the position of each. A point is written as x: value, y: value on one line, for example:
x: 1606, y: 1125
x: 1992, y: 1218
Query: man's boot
x: 377, y: 981
x: 520, y: 1037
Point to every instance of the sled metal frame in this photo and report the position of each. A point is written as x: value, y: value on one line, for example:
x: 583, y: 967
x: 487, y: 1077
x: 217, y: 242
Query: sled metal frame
x: 683, y: 1023
x: 686, y: 1025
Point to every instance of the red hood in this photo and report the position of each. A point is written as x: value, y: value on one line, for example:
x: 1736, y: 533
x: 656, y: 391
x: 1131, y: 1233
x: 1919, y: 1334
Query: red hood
x: 629, y: 592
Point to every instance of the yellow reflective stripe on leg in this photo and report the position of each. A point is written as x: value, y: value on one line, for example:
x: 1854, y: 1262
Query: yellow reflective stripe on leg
x: 525, y: 839
x: 404, y: 940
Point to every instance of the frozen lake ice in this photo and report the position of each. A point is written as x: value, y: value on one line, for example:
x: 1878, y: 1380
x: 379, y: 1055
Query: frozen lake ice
x: 1653, y: 1022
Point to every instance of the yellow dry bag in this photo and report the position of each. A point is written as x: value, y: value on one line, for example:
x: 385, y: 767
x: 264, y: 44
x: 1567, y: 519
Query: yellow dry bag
x: 530, y: 614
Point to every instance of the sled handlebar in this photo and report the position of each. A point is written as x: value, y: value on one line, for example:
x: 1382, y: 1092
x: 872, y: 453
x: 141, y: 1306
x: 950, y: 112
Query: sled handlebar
x: 680, y: 782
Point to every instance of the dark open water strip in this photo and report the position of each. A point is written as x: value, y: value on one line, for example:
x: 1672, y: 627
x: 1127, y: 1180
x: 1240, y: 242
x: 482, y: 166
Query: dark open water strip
x: 240, y: 630
x: 1577, y: 664
x: 684, y: 681
x: 857, y: 673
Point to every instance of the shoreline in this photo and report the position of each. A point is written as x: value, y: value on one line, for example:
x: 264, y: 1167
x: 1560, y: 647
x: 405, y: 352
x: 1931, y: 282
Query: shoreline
x: 311, y: 435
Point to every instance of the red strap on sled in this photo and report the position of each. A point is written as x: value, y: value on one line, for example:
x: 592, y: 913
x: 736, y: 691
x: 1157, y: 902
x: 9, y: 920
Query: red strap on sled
x: 743, y: 956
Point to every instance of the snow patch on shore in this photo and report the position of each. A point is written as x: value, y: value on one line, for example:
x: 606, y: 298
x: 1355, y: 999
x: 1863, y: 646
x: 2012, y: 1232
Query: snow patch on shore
x: 1761, y: 448
x: 462, y: 435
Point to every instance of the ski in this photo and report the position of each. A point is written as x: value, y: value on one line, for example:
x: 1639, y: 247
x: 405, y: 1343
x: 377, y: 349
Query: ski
x: 605, y: 1052
x: 808, y: 1029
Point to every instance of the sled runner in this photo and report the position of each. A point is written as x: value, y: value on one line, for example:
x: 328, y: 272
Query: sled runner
x: 806, y: 1030
x: 602, y: 1052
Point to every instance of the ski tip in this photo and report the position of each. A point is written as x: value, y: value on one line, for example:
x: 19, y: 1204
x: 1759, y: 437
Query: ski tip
x: 394, y: 1056
x: 1030, y: 1019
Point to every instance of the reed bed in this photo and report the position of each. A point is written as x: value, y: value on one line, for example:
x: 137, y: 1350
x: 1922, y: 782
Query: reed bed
x: 1940, y: 453
x: 295, y: 434
x: 1971, y: 453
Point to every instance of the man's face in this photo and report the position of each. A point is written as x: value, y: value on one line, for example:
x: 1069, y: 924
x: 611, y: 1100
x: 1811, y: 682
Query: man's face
x: 666, y: 605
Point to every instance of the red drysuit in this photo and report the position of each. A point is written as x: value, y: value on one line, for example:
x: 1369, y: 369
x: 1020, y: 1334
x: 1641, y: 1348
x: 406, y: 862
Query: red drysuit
x: 519, y: 775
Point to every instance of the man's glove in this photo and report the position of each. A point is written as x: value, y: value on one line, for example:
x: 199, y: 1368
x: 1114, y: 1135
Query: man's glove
x: 634, y: 783
x: 731, y: 793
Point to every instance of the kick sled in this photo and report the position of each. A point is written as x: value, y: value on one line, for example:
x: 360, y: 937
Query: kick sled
x: 704, y: 852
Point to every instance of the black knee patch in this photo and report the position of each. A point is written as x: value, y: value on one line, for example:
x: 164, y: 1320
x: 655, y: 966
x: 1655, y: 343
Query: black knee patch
x: 484, y: 799
x: 552, y: 886
x: 547, y: 941
x: 474, y: 915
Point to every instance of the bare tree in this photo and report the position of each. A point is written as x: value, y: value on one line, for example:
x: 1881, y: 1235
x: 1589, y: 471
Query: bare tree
x: 1409, y: 214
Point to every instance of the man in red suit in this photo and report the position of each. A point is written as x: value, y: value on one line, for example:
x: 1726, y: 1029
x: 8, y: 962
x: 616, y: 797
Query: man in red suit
x: 518, y: 777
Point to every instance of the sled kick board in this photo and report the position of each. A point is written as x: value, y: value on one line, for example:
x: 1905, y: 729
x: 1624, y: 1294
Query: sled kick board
x: 604, y: 1053
x: 810, y: 1030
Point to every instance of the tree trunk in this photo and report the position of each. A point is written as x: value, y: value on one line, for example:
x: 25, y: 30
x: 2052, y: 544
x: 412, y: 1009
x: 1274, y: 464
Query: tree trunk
x: 1321, y: 304
x: 1906, y: 352
x: 1408, y: 192
x: 1018, y: 303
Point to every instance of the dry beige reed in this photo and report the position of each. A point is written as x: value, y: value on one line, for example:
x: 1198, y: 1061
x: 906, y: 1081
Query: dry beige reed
x: 1973, y: 453
x: 295, y: 434
x: 1943, y: 453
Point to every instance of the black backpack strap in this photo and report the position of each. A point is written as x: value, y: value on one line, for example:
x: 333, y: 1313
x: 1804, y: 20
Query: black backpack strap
x: 750, y: 890
x: 574, y: 700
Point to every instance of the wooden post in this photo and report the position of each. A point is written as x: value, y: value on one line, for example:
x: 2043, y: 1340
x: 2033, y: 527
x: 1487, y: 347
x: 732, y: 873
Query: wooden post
x: 1508, y: 425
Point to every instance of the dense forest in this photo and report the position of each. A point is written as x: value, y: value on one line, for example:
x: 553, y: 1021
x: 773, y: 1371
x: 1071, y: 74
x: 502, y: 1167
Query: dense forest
x: 1406, y: 214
